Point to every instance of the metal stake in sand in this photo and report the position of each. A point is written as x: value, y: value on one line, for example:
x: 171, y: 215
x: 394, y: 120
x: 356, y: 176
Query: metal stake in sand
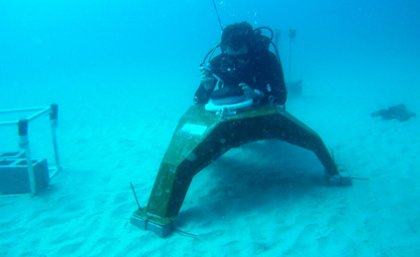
x: 135, y: 195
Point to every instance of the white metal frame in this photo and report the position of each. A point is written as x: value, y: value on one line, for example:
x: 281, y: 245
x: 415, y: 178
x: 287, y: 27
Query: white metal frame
x: 23, y: 124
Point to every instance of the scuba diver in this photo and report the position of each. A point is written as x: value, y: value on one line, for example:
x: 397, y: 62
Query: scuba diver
x: 245, y: 69
x: 246, y: 74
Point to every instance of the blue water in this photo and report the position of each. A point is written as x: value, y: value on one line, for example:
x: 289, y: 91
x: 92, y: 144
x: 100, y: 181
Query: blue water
x: 132, y: 67
x: 45, y: 38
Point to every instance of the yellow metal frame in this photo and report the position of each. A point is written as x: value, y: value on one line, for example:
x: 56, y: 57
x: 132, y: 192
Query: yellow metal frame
x: 202, y: 137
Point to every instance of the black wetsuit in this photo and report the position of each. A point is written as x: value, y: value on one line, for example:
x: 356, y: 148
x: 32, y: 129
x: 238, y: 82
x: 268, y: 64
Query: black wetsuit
x: 261, y: 71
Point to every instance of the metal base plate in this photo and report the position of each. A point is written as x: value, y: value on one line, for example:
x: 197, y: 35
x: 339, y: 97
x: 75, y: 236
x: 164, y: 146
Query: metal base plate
x: 158, y: 229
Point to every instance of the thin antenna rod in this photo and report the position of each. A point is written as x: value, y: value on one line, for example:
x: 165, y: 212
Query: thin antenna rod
x: 292, y: 36
x: 218, y: 16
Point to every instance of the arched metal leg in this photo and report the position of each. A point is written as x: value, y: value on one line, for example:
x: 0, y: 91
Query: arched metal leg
x: 287, y: 128
x: 200, y: 138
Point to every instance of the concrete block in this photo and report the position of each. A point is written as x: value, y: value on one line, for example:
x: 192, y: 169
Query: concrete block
x: 14, y: 177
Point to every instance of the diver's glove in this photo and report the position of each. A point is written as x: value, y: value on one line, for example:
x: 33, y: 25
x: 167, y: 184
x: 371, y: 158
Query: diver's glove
x: 255, y: 94
x: 206, y: 77
x: 275, y: 101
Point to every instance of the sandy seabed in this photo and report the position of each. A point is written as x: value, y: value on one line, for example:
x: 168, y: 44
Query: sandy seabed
x: 263, y: 199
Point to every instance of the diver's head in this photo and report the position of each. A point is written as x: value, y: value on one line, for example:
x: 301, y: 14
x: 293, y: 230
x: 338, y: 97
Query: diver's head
x: 235, y: 60
x: 236, y: 47
x: 237, y: 38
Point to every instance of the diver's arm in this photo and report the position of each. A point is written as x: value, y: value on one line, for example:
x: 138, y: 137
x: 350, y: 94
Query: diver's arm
x: 207, y: 85
x: 202, y: 95
x: 209, y: 80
